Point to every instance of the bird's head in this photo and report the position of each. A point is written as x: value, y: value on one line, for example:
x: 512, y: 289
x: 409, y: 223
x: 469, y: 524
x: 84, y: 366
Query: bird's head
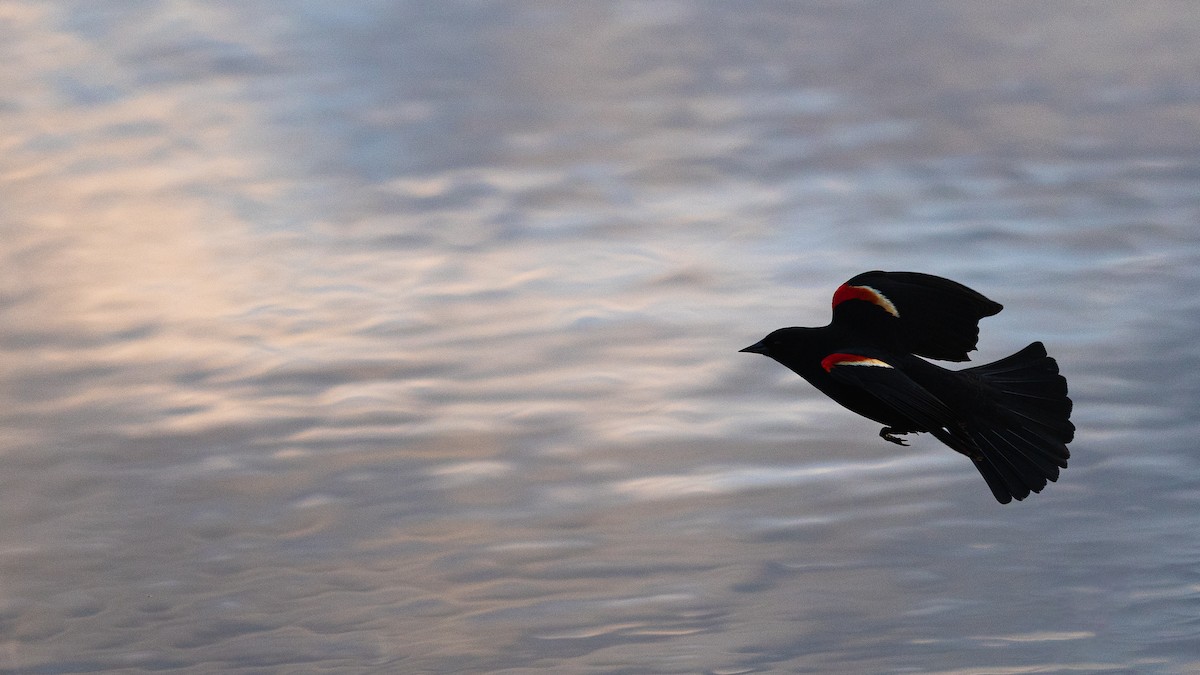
x: 779, y: 343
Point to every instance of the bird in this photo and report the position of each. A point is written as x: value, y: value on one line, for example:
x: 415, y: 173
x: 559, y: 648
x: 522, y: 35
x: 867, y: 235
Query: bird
x: 1011, y: 417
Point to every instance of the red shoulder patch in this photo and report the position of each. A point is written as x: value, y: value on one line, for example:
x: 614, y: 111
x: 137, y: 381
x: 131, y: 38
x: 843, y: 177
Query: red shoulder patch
x: 847, y: 292
x: 840, y: 359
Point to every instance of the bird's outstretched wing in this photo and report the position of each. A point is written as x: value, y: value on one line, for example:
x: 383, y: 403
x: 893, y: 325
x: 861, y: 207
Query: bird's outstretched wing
x: 891, y: 387
x: 920, y: 313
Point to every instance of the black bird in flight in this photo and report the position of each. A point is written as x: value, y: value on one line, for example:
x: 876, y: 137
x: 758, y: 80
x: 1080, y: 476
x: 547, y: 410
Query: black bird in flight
x: 1012, y: 417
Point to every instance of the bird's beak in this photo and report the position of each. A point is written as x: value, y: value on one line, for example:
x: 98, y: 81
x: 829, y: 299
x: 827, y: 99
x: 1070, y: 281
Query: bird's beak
x: 756, y: 348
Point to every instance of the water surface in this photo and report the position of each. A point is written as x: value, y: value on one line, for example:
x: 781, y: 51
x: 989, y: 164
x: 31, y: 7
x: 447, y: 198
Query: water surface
x: 402, y: 337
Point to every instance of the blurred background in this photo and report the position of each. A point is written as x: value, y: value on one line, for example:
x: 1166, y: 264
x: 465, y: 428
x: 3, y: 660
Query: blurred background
x: 402, y: 336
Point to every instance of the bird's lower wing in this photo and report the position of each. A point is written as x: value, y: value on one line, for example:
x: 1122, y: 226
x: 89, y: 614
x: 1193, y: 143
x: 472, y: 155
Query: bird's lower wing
x: 891, y: 387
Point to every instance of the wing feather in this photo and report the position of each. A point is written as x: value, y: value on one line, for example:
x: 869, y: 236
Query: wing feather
x: 920, y: 313
x: 892, y: 388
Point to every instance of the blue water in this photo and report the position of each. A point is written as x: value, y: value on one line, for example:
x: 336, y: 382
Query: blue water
x: 402, y: 336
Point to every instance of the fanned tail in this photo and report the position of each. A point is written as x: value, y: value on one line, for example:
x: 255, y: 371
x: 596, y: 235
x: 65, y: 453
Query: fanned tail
x: 1023, y: 444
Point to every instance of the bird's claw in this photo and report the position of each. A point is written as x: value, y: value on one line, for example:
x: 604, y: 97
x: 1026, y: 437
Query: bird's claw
x: 889, y: 434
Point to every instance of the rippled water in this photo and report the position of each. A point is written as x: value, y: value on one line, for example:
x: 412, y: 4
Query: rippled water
x: 401, y: 337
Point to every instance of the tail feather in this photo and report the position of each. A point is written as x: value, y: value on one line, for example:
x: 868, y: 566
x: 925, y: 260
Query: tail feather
x: 1050, y: 429
x: 1036, y: 453
x: 999, y: 487
x: 1020, y: 475
x: 1021, y: 444
x: 1012, y: 469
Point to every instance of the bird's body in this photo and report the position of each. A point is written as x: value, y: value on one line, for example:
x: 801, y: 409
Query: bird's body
x: 1012, y: 417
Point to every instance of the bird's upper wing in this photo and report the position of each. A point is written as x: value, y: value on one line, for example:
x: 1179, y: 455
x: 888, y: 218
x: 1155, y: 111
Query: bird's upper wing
x: 923, y: 314
x: 890, y: 386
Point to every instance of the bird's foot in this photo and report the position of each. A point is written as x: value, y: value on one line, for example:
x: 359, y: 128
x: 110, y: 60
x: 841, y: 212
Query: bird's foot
x: 889, y: 434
